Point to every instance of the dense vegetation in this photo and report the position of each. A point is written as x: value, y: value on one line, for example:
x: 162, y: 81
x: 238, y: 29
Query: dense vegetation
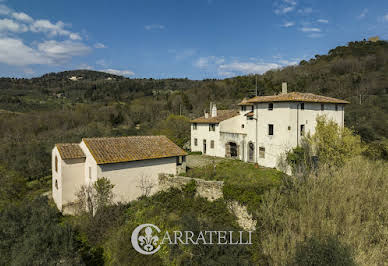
x: 333, y: 212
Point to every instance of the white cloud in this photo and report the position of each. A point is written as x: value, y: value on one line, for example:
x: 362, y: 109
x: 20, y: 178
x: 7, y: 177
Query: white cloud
x: 248, y: 67
x: 288, y: 24
x: 385, y: 18
x: 307, y: 29
x: 305, y: 11
x: 204, y: 62
x: 15, y: 52
x: 119, y: 72
x: 154, y: 27
x: 324, y: 21
x: 85, y: 66
x: 4, y: 10
x: 99, y: 45
x: 22, y: 17
x: 45, y: 26
x: 8, y: 25
x: 284, y: 10
x: 60, y: 51
x: 291, y: 2
x: 363, y: 13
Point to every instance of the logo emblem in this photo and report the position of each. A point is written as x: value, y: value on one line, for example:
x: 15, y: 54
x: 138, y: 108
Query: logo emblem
x: 145, y: 242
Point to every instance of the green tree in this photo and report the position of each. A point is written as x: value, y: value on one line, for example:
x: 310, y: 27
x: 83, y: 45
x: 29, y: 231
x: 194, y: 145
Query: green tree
x: 176, y: 128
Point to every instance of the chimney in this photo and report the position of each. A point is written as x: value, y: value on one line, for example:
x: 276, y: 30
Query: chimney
x: 206, y: 114
x: 284, y: 87
x: 214, y: 110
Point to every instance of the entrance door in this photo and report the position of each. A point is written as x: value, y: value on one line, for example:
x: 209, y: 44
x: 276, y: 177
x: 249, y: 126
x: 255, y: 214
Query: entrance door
x: 251, y: 151
x: 233, y: 149
x: 204, y: 146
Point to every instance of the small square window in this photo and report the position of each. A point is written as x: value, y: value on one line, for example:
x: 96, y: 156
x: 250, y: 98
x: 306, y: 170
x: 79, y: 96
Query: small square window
x: 195, y: 142
x: 261, y: 152
x: 302, y: 106
x: 270, y: 106
x: 289, y: 127
x: 212, y: 144
x: 212, y: 127
x: 270, y: 129
x: 322, y: 107
x: 242, y: 126
x: 195, y: 126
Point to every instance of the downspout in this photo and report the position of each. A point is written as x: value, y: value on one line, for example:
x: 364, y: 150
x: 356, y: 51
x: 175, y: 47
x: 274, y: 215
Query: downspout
x: 297, y: 124
x: 256, y: 145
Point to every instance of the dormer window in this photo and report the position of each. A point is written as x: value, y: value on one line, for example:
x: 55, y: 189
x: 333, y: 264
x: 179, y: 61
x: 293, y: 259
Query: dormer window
x: 270, y: 106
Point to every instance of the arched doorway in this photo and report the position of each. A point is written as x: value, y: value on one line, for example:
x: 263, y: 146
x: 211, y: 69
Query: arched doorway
x: 231, y: 150
x: 251, y: 151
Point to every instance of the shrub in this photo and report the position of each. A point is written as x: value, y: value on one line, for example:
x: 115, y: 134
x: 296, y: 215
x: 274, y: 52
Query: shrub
x: 349, y: 203
x: 323, y: 251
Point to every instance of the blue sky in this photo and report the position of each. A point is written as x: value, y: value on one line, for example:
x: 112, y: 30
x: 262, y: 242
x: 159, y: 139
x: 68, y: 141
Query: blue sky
x: 188, y: 38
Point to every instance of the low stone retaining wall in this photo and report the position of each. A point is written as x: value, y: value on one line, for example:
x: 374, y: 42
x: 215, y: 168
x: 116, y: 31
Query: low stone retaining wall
x: 211, y: 190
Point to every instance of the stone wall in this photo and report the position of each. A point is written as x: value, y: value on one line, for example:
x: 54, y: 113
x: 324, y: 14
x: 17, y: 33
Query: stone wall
x: 211, y: 190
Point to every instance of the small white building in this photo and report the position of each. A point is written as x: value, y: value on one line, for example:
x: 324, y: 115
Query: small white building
x: 264, y: 128
x: 125, y: 161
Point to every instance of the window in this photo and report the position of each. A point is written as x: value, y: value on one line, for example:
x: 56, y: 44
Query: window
x: 195, y: 126
x: 270, y: 106
x: 261, y: 152
x: 56, y: 184
x: 195, y: 142
x: 336, y: 107
x: 212, y: 127
x: 289, y: 128
x: 179, y: 160
x: 302, y: 106
x: 56, y: 164
x: 270, y: 129
x: 252, y: 108
x: 90, y: 172
x: 243, y: 108
x: 212, y: 144
x: 242, y: 126
x: 322, y: 107
x: 302, y: 130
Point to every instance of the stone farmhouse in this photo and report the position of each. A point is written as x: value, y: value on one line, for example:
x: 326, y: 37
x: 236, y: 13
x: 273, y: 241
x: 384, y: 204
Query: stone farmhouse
x: 125, y: 161
x: 264, y: 128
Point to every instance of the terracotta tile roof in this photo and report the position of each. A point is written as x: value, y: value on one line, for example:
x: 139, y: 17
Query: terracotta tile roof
x: 131, y: 148
x: 245, y: 102
x: 70, y: 151
x: 295, y: 97
x: 221, y: 116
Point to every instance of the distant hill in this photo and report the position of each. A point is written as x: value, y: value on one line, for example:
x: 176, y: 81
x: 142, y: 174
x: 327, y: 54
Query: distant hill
x: 356, y: 72
x: 89, y: 75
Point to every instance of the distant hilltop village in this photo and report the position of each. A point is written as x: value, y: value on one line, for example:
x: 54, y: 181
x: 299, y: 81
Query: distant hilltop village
x: 264, y: 127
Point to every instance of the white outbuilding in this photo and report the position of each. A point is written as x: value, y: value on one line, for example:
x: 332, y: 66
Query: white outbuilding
x: 127, y: 162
